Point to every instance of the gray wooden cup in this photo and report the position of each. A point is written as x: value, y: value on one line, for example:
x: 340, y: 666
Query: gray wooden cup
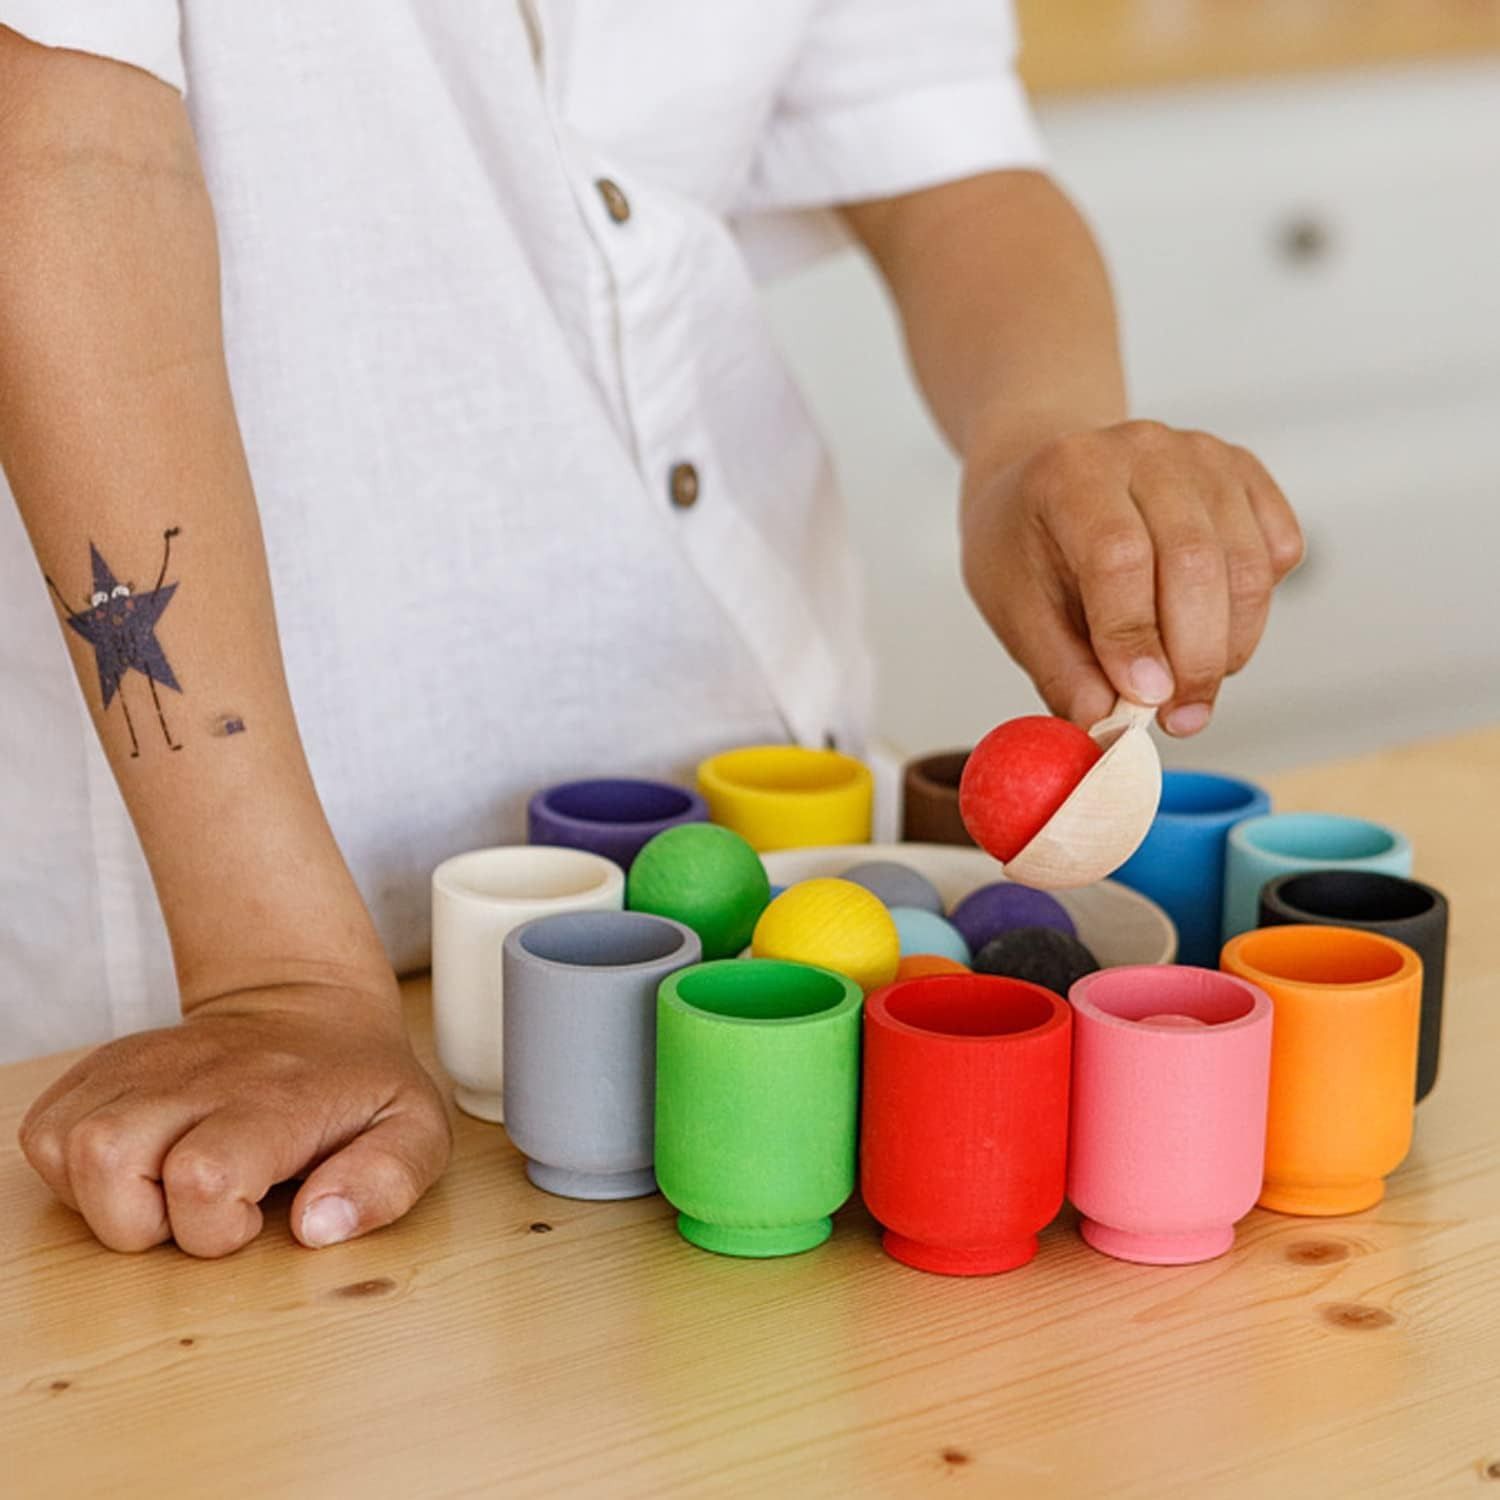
x: 580, y: 1046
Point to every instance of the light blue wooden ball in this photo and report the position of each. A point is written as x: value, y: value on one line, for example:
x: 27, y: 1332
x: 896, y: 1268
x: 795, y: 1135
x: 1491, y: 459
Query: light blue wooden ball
x: 925, y: 932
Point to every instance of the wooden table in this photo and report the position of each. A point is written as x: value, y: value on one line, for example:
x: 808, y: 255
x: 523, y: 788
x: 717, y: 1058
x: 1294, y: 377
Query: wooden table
x: 1086, y: 46
x: 503, y: 1342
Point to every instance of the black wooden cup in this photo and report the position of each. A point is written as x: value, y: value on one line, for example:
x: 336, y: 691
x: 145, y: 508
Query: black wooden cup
x: 1407, y: 910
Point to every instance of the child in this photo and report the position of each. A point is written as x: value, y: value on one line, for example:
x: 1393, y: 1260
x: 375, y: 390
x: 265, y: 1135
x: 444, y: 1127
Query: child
x: 436, y: 319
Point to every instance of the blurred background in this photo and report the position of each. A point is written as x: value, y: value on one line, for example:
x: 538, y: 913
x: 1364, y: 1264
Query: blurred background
x: 1300, y: 204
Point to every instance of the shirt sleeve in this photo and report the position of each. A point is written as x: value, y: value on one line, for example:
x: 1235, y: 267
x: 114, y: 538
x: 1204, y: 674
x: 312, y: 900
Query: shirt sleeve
x: 146, y: 34
x: 889, y: 96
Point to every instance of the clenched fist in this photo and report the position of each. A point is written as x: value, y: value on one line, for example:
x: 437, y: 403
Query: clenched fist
x: 179, y: 1133
x: 1135, y: 559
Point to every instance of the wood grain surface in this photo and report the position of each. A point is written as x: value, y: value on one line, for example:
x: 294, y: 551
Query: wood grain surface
x: 501, y: 1342
x: 1078, y: 46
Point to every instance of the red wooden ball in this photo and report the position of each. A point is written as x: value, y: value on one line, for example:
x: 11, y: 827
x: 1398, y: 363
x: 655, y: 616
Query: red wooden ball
x: 1018, y: 775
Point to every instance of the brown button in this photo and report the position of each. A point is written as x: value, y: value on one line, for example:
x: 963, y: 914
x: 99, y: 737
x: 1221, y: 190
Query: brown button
x: 616, y: 204
x: 683, y: 486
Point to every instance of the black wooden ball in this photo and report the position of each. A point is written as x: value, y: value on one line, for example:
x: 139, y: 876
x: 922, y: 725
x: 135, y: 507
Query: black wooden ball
x: 1042, y: 955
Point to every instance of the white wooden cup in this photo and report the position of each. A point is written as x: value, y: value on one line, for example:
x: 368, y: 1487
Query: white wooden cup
x: 476, y: 899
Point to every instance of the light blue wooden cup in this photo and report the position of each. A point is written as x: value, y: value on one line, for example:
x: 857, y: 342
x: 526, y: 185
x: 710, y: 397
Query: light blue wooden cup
x: 1260, y: 849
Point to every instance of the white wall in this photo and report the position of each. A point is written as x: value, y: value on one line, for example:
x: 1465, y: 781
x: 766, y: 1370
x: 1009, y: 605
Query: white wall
x: 1366, y: 374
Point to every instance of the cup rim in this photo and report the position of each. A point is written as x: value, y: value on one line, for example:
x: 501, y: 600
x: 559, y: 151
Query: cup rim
x: 543, y: 802
x: 1243, y: 836
x: 1260, y: 1011
x: 447, y: 876
x: 515, y: 942
x: 717, y: 772
x: 917, y: 771
x: 1253, y: 795
x: 1409, y: 967
x: 669, y: 994
x: 877, y: 1009
x: 1272, y: 890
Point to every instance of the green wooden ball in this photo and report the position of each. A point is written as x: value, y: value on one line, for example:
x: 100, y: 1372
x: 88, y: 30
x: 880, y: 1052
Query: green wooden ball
x: 706, y: 877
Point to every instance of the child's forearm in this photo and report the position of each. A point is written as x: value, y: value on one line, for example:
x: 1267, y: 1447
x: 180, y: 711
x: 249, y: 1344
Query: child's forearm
x: 118, y: 435
x: 1006, y: 307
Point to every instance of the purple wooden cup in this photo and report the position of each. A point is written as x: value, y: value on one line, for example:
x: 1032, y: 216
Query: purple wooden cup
x: 615, y: 816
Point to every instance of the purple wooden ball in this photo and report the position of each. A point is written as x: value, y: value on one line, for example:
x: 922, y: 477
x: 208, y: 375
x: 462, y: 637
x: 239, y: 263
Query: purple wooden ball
x: 993, y: 909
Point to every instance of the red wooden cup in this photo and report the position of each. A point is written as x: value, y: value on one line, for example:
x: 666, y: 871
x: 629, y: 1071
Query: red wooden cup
x: 964, y: 1131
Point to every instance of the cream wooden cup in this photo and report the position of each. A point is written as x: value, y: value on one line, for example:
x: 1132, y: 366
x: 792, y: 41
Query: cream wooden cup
x: 476, y: 899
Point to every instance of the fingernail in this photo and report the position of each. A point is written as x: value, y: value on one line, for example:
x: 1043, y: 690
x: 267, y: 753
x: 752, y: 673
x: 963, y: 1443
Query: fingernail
x: 1150, y: 681
x: 1188, y: 719
x: 328, y: 1221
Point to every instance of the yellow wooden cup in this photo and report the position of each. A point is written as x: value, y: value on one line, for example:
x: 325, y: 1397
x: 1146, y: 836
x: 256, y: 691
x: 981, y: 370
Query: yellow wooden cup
x: 787, y: 797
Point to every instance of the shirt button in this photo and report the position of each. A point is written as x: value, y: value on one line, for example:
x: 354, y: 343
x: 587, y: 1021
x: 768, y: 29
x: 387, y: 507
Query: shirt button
x: 616, y: 204
x: 683, y: 486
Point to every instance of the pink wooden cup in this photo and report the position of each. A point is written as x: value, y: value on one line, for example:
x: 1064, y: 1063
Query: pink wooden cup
x: 1171, y: 1072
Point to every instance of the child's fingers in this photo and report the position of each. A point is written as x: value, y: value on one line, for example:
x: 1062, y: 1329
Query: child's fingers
x: 1251, y: 575
x: 1108, y: 547
x: 376, y: 1177
x: 215, y: 1175
x: 1060, y: 662
x: 1192, y: 592
x: 114, y: 1164
x: 1273, y: 513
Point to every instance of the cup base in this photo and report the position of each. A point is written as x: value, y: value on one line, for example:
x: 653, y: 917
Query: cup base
x: 949, y: 1260
x: 483, y: 1104
x: 563, y: 1182
x: 1157, y: 1249
x: 1322, y: 1202
x: 759, y: 1243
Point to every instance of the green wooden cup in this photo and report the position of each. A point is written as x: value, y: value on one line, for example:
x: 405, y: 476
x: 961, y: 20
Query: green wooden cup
x: 757, y: 1087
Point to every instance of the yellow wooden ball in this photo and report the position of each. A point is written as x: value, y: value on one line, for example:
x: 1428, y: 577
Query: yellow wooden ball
x: 834, y: 924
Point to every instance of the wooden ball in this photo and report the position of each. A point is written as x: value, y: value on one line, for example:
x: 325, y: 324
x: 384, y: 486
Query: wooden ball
x: 834, y: 924
x: 924, y: 932
x: 1018, y: 775
x: 707, y: 878
x: 1042, y: 955
x: 995, y: 908
x: 924, y: 965
x: 897, y: 884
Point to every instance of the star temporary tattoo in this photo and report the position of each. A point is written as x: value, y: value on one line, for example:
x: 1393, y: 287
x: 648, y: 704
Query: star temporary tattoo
x: 120, y: 625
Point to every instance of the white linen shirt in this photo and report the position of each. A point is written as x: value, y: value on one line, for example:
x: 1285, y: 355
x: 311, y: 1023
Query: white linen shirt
x: 466, y: 374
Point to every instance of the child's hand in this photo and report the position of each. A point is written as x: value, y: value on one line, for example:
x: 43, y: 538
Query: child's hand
x: 1137, y: 559
x: 178, y: 1134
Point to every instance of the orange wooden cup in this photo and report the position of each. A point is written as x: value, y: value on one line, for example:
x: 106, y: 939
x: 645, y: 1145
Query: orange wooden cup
x: 1347, y: 1007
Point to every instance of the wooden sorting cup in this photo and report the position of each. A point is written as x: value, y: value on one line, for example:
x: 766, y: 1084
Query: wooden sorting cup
x: 757, y: 1087
x: 929, y: 799
x: 1348, y: 1006
x: 1407, y: 910
x: 615, y: 816
x: 1260, y: 849
x: 787, y: 796
x: 580, y: 1046
x: 1180, y: 865
x: 476, y: 899
x: 965, y: 1119
x: 1170, y: 1075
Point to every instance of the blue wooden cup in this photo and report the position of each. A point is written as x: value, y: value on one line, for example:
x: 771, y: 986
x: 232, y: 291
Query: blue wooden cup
x: 1180, y: 865
x: 1262, y: 848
